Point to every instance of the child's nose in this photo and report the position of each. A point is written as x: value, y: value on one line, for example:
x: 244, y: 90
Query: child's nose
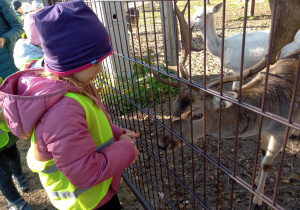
x: 99, y: 69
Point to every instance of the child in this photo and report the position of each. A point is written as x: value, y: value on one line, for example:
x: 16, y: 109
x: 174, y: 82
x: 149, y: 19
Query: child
x: 28, y: 51
x: 77, y: 152
x: 26, y: 8
x: 17, y: 5
x: 36, y: 6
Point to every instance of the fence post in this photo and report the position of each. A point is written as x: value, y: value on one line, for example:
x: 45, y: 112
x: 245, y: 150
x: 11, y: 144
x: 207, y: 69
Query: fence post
x: 112, y: 14
x: 252, y: 7
x: 47, y: 3
x: 168, y: 29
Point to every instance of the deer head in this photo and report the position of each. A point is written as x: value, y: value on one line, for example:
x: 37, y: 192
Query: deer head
x: 183, y: 116
x: 197, y: 18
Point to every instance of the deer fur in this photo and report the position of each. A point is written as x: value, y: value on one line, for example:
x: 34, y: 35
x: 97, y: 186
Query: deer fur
x: 281, y: 81
x: 291, y: 46
x: 256, y: 43
x: 132, y: 18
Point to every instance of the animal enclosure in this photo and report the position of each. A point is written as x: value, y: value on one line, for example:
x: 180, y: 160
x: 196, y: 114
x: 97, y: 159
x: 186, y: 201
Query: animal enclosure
x: 200, y: 144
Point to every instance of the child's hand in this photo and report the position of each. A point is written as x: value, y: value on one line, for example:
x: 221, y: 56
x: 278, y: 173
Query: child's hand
x: 125, y: 136
x: 137, y: 152
x: 99, y: 88
x: 132, y: 134
x: 2, y: 42
x: 131, y: 137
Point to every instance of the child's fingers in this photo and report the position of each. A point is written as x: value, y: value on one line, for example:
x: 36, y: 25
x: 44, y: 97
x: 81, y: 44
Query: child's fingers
x: 129, y: 131
x: 133, y: 135
x: 99, y: 88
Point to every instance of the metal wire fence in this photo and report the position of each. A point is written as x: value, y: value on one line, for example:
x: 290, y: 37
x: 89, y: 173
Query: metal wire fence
x: 208, y: 172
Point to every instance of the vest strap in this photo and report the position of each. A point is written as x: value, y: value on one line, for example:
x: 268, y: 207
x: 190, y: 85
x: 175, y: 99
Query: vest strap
x: 109, y: 142
x: 53, y: 168
x: 50, y: 169
x: 67, y: 194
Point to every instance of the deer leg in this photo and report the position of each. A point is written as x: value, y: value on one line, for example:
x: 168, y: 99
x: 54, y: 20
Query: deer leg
x: 129, y: 27
x: 264, y: 146
x: 294, y: 134
x: 274, y: 148
x: 137, y: 23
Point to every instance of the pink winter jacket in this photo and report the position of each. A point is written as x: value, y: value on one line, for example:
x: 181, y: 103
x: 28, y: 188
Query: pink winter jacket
x: 61, y: 130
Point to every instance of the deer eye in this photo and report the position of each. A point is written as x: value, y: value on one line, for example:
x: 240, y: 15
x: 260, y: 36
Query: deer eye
x: 197, y: 116
x: 199, y: 16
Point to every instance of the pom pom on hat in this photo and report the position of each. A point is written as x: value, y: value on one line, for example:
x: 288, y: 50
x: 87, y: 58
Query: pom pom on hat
x: 16, y: 4
x: 30, y: 29
x: 36, y: 5
x: 72, y: 37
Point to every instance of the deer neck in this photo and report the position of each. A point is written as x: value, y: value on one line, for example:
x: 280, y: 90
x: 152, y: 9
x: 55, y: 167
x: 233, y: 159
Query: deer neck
x: 213, y: 41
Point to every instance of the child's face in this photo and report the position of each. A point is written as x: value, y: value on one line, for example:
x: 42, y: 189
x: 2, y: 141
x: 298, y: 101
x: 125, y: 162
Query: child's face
x: 88, y: 74
x: 20, y: 10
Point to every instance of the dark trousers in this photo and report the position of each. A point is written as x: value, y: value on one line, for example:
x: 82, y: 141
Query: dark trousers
x: 10, y: 163
x: 113, y: 204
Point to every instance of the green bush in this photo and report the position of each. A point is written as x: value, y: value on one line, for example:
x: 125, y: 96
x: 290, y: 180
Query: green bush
x: 142, y: 88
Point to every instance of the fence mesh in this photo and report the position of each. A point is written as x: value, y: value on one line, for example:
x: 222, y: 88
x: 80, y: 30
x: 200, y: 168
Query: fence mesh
x: 210, y: 172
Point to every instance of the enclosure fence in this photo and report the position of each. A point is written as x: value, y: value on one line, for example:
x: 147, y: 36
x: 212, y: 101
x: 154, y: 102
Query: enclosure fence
x: 207, y: 172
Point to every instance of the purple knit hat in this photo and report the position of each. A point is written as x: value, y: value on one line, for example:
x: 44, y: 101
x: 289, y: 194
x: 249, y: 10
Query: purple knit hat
x: 72, y: 37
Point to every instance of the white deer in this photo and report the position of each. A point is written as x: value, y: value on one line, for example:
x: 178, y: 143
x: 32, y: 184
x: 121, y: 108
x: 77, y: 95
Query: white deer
x: 256, y: 43
x: 287, y: 49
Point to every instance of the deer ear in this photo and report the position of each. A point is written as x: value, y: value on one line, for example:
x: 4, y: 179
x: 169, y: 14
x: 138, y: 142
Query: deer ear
x: 217, y: 7
x: 225, y: 104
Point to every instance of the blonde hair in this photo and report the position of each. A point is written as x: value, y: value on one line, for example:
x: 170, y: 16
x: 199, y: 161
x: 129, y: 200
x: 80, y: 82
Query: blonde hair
x: 89, y: 90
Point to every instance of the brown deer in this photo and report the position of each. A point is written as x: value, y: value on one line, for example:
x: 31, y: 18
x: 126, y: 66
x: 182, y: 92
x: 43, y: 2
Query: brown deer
x: 283, y: 76
x: 278, y: 101
x: 132, y: 18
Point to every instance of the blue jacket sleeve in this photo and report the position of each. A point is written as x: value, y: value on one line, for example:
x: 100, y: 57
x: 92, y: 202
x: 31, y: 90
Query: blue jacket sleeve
x: 15, y: 23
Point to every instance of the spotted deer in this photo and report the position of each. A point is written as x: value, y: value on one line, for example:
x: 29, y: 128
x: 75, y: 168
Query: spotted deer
x: 282, y: 78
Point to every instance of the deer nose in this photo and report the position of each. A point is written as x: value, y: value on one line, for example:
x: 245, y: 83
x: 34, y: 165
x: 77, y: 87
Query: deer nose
x: 163, y: 148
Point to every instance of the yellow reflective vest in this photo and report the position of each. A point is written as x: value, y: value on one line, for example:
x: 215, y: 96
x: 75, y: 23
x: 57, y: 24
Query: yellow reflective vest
x: 3, y: 129
x: 3, y: 133
x: 61, y: 192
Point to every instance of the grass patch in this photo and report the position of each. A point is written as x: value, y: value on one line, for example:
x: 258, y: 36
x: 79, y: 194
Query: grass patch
x: 142, y: 88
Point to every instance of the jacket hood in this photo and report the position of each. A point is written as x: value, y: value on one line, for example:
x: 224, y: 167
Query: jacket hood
x: 25, y: 97
x: 30, y: 30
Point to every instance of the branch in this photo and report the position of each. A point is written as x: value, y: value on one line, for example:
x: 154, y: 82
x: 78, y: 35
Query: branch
x: 246, y: 74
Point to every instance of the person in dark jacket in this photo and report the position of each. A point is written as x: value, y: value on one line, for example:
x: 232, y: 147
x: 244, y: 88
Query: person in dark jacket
x: 11, y: 29
x: 17, y: 5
